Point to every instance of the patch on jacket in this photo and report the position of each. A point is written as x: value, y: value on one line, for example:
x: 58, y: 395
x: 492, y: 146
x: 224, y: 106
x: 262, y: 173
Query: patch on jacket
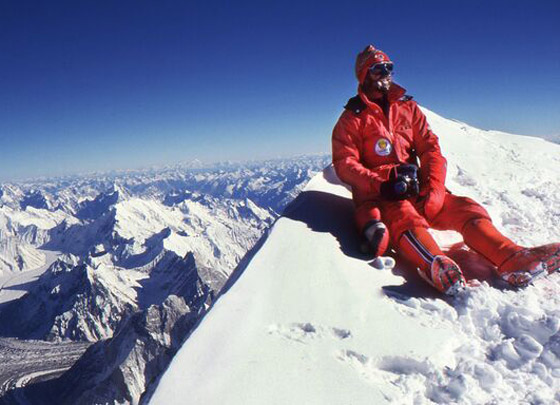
x: 383, y: 147
x: 356, y: 105
x: 406, y: 97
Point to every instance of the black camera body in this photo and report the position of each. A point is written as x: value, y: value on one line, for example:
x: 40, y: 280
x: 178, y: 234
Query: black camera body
x: 403, y: 185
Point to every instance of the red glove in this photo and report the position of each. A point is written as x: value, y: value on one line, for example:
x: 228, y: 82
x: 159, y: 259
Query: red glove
x: 431, y: 203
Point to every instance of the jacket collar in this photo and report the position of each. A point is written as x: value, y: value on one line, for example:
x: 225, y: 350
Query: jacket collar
x: 395, y: 93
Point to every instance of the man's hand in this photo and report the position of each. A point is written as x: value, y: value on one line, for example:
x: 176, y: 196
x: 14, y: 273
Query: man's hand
x: 403, y: 184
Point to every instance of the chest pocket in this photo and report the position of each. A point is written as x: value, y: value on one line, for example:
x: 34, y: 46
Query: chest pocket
x: 404, y: 132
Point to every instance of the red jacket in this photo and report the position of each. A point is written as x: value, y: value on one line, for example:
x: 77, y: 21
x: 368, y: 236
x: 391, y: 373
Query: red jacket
x: 366, y: 145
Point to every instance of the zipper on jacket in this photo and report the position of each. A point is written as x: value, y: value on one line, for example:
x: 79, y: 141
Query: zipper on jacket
x: 395, y: 140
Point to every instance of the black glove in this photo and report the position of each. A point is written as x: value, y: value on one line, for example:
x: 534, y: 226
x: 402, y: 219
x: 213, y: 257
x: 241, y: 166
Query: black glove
x: 403, y: 183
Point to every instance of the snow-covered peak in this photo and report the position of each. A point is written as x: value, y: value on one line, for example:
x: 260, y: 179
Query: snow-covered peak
x: 93, y: 209
x: 35, y: 199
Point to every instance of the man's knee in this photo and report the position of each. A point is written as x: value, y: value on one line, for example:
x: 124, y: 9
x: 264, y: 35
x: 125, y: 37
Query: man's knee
x: 457, y: 212
x: 366, y: 214
x: 374, y: 232
x: 401, y: 216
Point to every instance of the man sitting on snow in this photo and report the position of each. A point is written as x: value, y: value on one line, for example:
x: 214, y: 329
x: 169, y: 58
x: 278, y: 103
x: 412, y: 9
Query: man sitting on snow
x: 376, y: 146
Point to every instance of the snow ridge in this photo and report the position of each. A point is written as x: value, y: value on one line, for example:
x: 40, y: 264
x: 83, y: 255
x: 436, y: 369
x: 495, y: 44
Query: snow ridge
x: 310, y: 313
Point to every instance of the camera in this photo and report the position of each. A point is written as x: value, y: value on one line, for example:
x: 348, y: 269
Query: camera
x: 403, y: 185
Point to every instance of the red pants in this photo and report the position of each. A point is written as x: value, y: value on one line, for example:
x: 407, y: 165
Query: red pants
x: 400, y: 216
x: 459, y: 214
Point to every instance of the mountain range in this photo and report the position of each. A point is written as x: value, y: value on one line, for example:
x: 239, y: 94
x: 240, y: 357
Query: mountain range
x: 96, y: 259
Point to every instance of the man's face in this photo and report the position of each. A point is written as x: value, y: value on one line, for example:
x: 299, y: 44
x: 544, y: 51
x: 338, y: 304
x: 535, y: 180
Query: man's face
x: 379, y: 78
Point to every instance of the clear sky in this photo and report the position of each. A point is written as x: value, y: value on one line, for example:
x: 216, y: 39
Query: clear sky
x: 97, y: 85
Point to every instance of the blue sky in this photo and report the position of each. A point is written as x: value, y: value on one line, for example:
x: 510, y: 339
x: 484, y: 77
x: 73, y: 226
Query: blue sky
x: 97, y: 85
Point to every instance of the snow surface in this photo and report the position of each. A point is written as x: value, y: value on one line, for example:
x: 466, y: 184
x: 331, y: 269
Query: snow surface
x: 309, y: 321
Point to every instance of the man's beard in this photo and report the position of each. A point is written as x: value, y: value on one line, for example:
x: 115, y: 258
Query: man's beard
x: 378, y: 88
x: 384, y: 84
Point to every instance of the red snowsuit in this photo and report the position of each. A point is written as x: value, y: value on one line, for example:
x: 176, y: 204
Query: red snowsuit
x: 366, y: 146
x: 369, y: 144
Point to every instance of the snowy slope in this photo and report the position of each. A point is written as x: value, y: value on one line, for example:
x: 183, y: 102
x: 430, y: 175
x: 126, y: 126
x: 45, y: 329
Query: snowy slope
x: 310, y: 321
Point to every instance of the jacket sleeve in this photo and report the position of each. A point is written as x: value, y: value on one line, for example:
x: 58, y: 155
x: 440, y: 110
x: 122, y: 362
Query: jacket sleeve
x: 346, y: 139
x: 433, y: 166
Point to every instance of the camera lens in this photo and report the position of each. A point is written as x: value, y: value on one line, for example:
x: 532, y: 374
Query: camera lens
x: 400, y: 187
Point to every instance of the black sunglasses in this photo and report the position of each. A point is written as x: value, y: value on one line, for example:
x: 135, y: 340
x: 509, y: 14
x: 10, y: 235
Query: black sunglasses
x: 384, y: 68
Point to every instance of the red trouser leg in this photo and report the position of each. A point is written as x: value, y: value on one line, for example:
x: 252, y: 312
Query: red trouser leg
x: 437, y: 269
x: 408, y: 229
x: 366, y: 213
x: 460, y: 214
x: 457, y: 212
x: 409, y: 234
x: 482, y: 236
x: 368, y: 221
x: 469, y: 218
x: 419, y: 248
x: 403, y: 216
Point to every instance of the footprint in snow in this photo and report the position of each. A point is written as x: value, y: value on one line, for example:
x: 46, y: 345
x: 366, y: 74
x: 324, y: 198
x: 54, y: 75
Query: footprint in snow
x: 352, y: 357
x: 306, y: 332
x: 464, y: 179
